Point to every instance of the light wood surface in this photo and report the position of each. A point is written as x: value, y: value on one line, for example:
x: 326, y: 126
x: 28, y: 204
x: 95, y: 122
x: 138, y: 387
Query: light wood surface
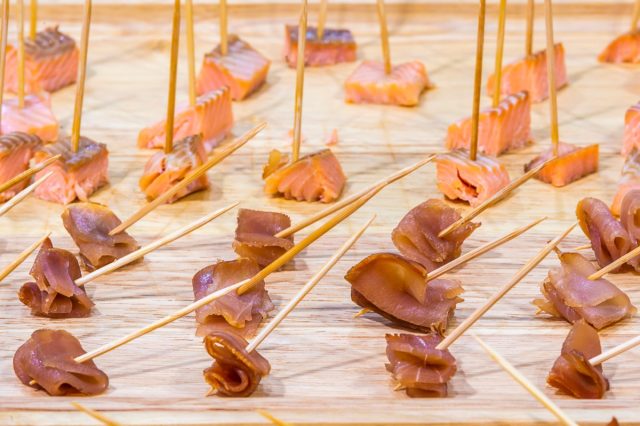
x: 328, y: 368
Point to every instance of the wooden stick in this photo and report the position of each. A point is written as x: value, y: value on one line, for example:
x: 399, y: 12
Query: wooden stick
x: 33, y: 19
x: 195, y: 174
x: 615, y: 264
x: 551, y: 76
x: 582, y: 247
x: 22, y: 257
x: 478, y: 313
x: 82, y: 76
x: 384, y: 37
x: 241, y: 287
x: 481, y: 250
x: 322, y: 19
x: 525, y: 383
x: 173, y: 71
x: 615, y: 351
x: 272, y: 419
x: 21, y: 53
x: 179, y: 233
x: 470, y: 215
x: 96, y: 415
x: 191, y: 52
x: 4, y: 32
x: 345, y: 202
x: 224, y: 39
x: 477, y: 86
x: 636, y: 16
x: 297, y: 114
x: 528, y: 47
x: 502, y: 18
x: 307, y: 288
x: 27, y: 173
x: 22, y: 194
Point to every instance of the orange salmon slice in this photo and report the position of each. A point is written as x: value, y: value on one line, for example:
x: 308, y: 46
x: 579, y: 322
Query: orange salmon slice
x: 243, y: 69
x: 572, y: 163
x: 335, y: 46
x: 624, y: 49
x: 16, y: 150
x: 631, y: 137
x: 629, y: 180
x: 35, y: 118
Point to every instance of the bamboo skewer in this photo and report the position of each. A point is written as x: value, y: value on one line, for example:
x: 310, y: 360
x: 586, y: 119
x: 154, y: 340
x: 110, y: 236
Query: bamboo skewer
x: 525, y: 383
x: 345, y: 202
x: 477, y: 85
x: 384, y: 37
x: 4, y: 30
x: 173, y: 71
x: 21, y: 53
x: 528, y: 48
x: 615, y: 351
x: 191, y: 52
x: 179, y: 233
x: 273, y: 419
x: 193, y: 175
x: 82, y: 76
x: 322, y: 19
x: 33, y: 19
x: 27, y: 173
x: 22, y: 257
x: 224, y: 39
x: 22, y: 195
x: 297, y: 114
x: 551, y: 76
x: 502, y: 18
x: 636, y: 16
x: 613, y: 265
x: 582, y: 247
x: 96, y: 415
x: 479, y: 312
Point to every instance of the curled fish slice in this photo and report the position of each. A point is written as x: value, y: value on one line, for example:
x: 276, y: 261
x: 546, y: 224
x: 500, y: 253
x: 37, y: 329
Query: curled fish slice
x: 624, y: 49
x: 631, y: 137
x: 16, y: 150
x: 572, y: 163
x: 255, y: 236
x: 629, y: 180
x: 335, y: 46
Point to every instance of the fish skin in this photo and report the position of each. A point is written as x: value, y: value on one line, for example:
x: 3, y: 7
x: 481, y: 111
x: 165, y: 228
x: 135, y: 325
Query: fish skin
x: 336, y: 46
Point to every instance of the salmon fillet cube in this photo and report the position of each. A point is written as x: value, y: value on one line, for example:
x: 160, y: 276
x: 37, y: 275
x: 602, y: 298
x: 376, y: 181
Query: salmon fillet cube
x: 506, y: 127
x: 624, y: 49
x: 211, y: 117
x: 51, y: 62
x: 76, y: 175
x: 336, y: 46
x: 459, y: 178
x: 35, y: 118
x: 572, y: 163
x: 631, y: 137
x: 163, y: 171
x: 369, y: 84
x: 16, y: 151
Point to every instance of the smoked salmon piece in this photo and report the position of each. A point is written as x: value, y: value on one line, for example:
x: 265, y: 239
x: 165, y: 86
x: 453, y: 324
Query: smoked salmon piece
x: 369, y: 84
x: 459, y: 178
x: 631, y: 137
x: 211, y: 117
x: 315, y: 177
x: 162, y: 171
x: 35, y: 118
x: 243, y: 69
x: 16, y: 150
x: 51, y: 62
x: 573, y: 163
x: 506, y: 127
x: 530, y: 74
x: 256, y: 236
x: 629, y: 180
x: 624, y: 49
x: 336, y: 46
x: 76, y: 175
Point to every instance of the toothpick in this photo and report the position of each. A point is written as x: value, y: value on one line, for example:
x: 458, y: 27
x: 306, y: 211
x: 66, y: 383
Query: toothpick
x: 22, y: 257
x: 525, y: 383
x: 384, y: 37
x: 481, y: 250
x: 346, y: 201
x: 191, y: 54
x: 273, y: 419
x: 96, y: 415
x: 322, y: 19
x: 615, y: 264
x: 33, y: 22
x: 502, y: 17
x: 551, y: 76
x: 636, y: 16
x: 615, y: 351
x: 4, y: 29
x: 530, y: 22
x: 22, y: 194
x: 477, y: 86
x: 307, y: 288
x: 82, y: 76
x: 478, y: 313
x: 470, y: 215
x: 173, y: 71
x: 21, y: 53
x: 193, y: 175
x: 582, y: 247
x: 179, y: 233
x: 297, y: 115
x: 224, y: 43
x: 361, y: 312
x: 27, y: 173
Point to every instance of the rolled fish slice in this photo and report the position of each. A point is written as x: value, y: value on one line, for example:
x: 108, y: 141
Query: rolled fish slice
x: 624, y: 49
x: 255, y: 236
x: 629, y: 180
x: 336, y: 46
x: 16, y: 151
x: 631, y: 136
x: 36, y: 117
x: 572, y: 163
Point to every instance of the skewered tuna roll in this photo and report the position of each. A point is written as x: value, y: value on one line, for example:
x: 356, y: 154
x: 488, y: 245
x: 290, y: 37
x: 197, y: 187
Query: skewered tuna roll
x: 35, y: 117
x: 314, y: 177
x: 503, y: 128
x: 54, y: 294
x: 397, y: 289
x: 569, y: 294
x: 335, y: 46
x: 232, y: 312
x: 629, y: 180
x: 89, y: 225
x: 459, y: 178
x: 162, y: 171
x: 76, y: 175
x: 51, y: 62
x: 631, y: 137
x: 211, y: 117
x: 243, y: 69
x: 572, y: 163
x: 572, y: 373
x: 370, y: 84
x: 530, y: 74
x: 624, y: 49
x: 234, y: 372
x: 16, y: 150
x: 255, y: 236
x: 416, y: 364
x: 47, y: 359
x: 416, y: 236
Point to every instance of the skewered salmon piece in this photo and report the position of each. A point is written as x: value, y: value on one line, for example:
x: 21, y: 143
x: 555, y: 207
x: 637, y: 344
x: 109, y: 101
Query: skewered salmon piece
x: 459, y: 178
x: 631, y: 137
x: 51, y: 62
x: 16, y: 150
x: 162, y: 171
x: 629, y: 181
x: 506, y: 127
x: 35, y: 118
x: 369, y: 84
x: 336, y: 46
x: 211, y: 117
x: 624, y: 49
x: 255, y: 236
x: 76, y: 175
x: 243, y: 69
x: 573, y: 163
x: 530, y: 74
x: 314, y: 177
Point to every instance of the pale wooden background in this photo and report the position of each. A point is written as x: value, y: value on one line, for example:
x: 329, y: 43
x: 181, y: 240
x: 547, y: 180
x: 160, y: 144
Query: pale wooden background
x: 327, y: 367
